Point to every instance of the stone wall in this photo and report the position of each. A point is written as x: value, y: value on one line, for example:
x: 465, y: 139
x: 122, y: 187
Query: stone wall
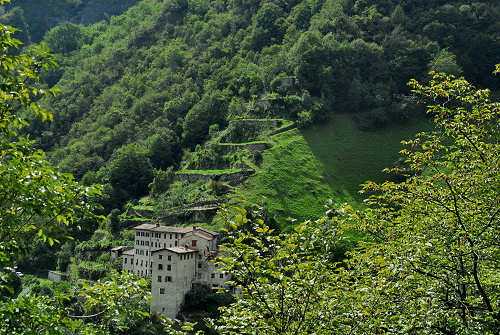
x: 225, y: 148
x: 190, y: 215
x: 57, y: 276
x: 282, y: 130
x: 259, y: 122
x: 232, y: 178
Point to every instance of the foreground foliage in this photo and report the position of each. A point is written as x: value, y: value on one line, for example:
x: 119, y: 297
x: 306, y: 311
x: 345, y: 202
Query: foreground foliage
x: 35, y: 198
x: 429, y: 261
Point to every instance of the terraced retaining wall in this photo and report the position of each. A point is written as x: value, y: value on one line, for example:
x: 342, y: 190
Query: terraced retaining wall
x: 232, y: 178
x: 225, y: 148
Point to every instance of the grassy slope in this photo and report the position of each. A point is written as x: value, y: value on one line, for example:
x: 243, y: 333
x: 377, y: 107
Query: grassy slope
x: 305, y: 168
x: 290, y: 180
x: 352, y: 156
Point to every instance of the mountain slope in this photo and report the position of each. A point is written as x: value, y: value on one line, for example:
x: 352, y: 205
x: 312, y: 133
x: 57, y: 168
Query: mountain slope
x: 152, y: 82
x: 37, y: 16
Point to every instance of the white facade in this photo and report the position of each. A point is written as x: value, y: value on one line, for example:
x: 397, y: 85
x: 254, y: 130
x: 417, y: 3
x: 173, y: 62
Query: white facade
x: 176, y: 259
x: 148, y: 238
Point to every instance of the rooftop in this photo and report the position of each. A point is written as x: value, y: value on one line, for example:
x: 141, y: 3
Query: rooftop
x: 121, y: 247
x: 163, y: 229
x: 171, y: 229
x: 130, y: 252
x: 203, y: 235
x: 177, y: 250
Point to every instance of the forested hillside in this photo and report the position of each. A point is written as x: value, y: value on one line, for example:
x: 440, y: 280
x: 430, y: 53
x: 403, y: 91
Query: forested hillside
x: 260, y: 117
x: 150, y: 83
x: 35, y: 17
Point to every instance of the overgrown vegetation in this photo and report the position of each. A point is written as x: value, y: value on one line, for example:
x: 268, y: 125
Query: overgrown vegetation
x: 144, y: 91
x: 151, y: 83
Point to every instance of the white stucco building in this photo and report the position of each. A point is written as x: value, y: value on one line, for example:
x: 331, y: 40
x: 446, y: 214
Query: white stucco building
x: 176, y: 258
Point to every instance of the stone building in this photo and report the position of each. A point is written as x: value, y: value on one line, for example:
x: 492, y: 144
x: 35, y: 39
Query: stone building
x: 176, y: 259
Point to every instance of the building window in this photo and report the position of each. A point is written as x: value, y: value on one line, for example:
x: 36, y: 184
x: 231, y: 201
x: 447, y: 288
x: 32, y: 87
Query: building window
x: 136, y: 233
x: 175, y: 243
x: 160, y: 256
x: 193, y: 243
x: 169, y: 267
x: 136, y: 261
x: 169, y: 258
x: 159, y: 279
x: 141, y: 262
x: 146, y: 252
x: 160, y: 266
x: 164, y: 245
x: 221, y: 275
x: 170, y: 236
x: 147, y: 243
x: 125, y: 260
x: 162, y: 291
x: 212, y: 275
x: 199, y: 265
x: 168, y: 278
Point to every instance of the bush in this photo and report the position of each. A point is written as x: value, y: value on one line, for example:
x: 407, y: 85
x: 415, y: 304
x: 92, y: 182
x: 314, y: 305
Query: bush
x: 304, y: 119
x: 161, y: 182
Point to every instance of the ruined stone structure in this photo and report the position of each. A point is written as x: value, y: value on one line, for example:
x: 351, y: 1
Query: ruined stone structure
x: 176, y: 258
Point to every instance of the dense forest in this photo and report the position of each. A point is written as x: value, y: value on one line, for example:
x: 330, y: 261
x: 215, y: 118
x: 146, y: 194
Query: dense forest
x: 204, y: 112
x: 34, y: 18
x: 144, y: 86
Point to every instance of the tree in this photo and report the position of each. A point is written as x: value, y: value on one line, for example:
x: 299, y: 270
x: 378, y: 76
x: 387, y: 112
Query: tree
x: 428, y: 262
x: 35, y: 198
x: 130, y: 172
x: 445, y: 61
x: 285, y: 280
x: 434, y: 238
x: 209, y: 110
x: 64, y: 38
x: 164, y: 149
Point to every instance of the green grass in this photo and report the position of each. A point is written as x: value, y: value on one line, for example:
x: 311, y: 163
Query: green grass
x: 351, y: 156
x: 261, y: 120
x: 290, y: 181
x: 143, y: 207
x: 243, y: 143
x: 209, y: 172
x: 305, y: 168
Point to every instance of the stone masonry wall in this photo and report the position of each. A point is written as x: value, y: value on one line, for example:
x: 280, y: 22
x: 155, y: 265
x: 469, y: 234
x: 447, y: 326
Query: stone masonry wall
x: 233, y: 147
x: 232, y: 178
